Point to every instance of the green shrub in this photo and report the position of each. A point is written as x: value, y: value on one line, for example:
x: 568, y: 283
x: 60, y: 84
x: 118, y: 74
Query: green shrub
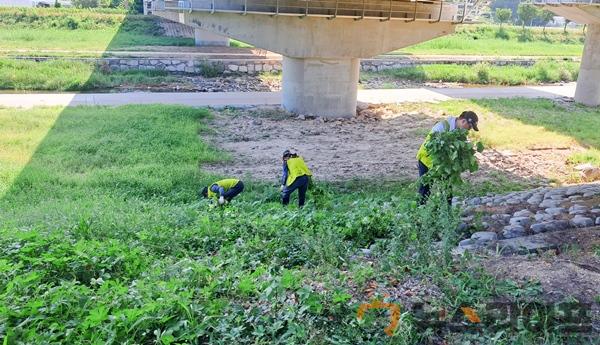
x: 451, y: 154
x: 502, y: 34
x: 483, y: 73
x: 525, y: 36
x: 565, y: 75
x: 211, y: 69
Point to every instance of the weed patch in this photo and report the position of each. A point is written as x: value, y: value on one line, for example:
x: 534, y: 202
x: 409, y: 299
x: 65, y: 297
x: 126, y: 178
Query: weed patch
x: 103, y: 239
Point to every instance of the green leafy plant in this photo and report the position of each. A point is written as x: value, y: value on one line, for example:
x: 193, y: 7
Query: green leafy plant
x: 452, y: 154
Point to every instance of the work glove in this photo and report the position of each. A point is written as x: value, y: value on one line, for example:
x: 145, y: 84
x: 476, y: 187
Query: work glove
x: 221, y: 200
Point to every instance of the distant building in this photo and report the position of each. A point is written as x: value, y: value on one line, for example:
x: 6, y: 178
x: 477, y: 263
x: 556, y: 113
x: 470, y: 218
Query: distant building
x: 147, y: 6
x: 17, y: 3
x: 34, y: 3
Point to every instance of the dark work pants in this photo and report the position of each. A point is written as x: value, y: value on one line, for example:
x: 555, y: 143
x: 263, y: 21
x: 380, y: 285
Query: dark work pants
x: 233, y: 191
x: 301, y: 184
x: 424, y: 190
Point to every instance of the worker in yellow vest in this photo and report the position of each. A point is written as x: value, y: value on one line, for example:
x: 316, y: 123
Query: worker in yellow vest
x: 296, y: 175
x: 467, y: 120
x: 224, y: 190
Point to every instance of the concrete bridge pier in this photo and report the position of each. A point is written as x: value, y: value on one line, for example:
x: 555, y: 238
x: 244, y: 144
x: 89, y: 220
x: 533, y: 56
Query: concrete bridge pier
x: 583, y: 12
x: 321, y: 42
x: 588, y: 81
x: 207, y: 38
x: 324, y: 87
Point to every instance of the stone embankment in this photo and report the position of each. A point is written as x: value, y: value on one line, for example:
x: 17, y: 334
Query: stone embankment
x: 194, y: 65
x: 506, y: 221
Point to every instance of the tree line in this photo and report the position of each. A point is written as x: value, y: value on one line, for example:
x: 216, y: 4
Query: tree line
x: 527, y: 13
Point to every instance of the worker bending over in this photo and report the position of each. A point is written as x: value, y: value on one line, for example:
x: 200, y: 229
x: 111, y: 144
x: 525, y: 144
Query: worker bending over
x: 296, y: 175
x: 224, y: 190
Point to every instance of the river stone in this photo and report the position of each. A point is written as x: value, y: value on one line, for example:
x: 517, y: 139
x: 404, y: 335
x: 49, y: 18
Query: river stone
x: 555, y: 210
x: 582, y: 222
x: 475, y: 201
x: 524, y: 245
x: 560, y: 224
x: 522, y: 221
x: 461, y: 250
x: 513, y: 201
x: 523, y: 213
x: 484, y: 236
x: 549, y: 203
x: 504, y: 218
x: 595, y: 210
x: 466, y: 242
x: 577, y: 207
x: 557, y: 197
x: 534, y: 201
x: 543, y: 217
x: 577, y: 212
x: 512, y: 231
x: 550, y: 226
x: 598, y: 221
x: 538, y: 227
x: 589, y: 194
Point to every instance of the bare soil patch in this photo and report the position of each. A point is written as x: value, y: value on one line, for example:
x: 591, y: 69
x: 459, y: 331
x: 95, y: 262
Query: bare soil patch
x: 380, y: 143
x: 573, y: 270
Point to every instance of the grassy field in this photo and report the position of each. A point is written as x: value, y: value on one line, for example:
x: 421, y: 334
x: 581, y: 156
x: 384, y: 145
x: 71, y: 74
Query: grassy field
x: 72, y: 29
x: 65, y: 75
x: 103, y: 240
x: 485, y: 40
x: 540, y: 72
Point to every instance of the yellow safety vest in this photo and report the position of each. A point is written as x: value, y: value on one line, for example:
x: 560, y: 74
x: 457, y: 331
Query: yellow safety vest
x: 422, y: 154
x: 296, y: 168
x: 227, y: 184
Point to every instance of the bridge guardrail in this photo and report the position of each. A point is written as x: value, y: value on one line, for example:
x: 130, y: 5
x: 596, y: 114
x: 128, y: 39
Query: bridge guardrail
x: 408, y: 10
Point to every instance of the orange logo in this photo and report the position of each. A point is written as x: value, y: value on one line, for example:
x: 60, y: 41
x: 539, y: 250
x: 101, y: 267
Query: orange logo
x: 471, y: 314
x: 394, y: 316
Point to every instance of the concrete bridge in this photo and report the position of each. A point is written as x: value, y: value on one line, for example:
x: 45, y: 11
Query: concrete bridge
x: 583, y: 12
x: 321, y: 41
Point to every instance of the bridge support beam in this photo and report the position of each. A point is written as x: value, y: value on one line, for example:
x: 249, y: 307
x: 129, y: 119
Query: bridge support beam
x: 588, y: 81
x: 207, y: 38
x: 320, y: 87
x: 321, y: 55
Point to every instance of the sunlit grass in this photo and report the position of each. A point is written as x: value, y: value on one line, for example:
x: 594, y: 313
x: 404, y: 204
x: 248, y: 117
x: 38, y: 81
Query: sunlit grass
x: 482, y: 40
x: 20, y: 134
x: 519, y: 124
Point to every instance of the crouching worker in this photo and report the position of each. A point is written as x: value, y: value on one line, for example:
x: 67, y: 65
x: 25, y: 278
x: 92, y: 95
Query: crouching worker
x: 467, y: 120
x: 223, y: 190
x: 295, y: 176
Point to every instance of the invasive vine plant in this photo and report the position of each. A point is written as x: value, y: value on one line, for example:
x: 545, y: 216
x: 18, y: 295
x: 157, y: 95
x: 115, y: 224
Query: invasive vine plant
x: 451, y: 154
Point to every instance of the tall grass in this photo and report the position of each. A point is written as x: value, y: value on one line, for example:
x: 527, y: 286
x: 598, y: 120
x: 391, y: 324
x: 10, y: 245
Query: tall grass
x: 65, y: 75
x: 71, y: 29
x: 486, y: 40
x: 540, y: 72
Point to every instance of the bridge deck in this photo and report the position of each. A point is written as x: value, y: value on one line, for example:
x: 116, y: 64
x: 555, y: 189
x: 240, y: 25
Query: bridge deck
x: 406, y: 10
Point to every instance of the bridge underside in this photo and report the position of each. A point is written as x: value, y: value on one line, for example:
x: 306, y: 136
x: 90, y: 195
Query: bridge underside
x: 321, y: 41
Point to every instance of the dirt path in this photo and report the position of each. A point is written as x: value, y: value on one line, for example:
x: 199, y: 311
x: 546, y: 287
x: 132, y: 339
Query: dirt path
x: 382, y: 145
